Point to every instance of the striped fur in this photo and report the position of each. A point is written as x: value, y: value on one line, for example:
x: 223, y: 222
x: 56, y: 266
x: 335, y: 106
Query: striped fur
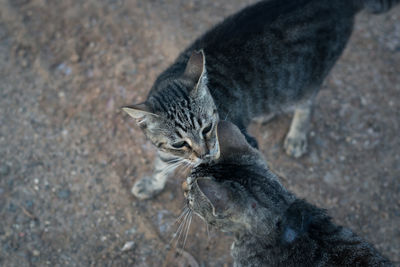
x: 272, y: 227
x: 269, y: 58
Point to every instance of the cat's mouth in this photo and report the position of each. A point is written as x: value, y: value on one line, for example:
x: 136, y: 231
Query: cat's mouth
x: 212, y: 156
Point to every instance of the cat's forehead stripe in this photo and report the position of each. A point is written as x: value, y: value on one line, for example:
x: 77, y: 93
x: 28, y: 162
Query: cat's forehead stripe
x: 178, y: 89
x: 179, y: 125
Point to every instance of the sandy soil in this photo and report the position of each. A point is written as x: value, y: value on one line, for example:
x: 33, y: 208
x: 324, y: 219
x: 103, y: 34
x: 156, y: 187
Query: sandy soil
x: 68, y: 156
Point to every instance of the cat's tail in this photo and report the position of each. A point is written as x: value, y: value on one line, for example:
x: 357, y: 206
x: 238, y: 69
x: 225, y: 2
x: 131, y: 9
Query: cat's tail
x: 376, y: 6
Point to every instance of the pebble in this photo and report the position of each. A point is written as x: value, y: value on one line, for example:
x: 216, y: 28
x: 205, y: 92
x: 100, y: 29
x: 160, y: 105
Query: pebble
x: 133, y: 230
x: 329, y: 178
x: 128, y: 245
x: 36, y: 253
x: 64, y: 68
x: 74, y: 58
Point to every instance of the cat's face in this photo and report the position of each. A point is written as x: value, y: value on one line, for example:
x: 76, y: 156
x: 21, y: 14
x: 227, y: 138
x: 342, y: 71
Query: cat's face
x: 237, y: 193
x: 181, y: 118
x: 213, y: 193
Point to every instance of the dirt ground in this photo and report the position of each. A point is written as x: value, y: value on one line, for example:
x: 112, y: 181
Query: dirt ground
x: 68, y: 156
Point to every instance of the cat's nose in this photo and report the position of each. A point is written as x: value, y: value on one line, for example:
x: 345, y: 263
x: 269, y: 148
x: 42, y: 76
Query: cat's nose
x: 200, y: 150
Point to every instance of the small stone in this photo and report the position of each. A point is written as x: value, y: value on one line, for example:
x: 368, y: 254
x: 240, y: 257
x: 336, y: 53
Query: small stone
x: 74, y: 58
x: 131, y: 231
x: 24, y: 63
x: 36, y: 252
x: 103, y: 238
x: 128, y: 246
x: 36, y: 181
x: 329, y: 178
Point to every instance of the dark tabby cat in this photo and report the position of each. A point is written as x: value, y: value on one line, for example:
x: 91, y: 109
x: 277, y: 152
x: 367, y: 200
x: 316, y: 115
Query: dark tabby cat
x: 268, y: 58
x: 239, y: 194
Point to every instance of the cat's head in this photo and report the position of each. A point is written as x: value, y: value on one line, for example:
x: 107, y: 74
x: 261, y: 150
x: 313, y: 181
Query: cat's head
x: 237, y: 193
x: 180, y: 118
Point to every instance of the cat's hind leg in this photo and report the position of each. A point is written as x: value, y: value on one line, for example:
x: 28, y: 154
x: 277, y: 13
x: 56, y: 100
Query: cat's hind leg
x: 151, y: 185
x: 295, y: 143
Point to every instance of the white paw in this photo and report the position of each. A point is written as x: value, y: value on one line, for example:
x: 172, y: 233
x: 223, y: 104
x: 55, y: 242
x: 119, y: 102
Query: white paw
x: 146, y: 188
x: 296, y: 146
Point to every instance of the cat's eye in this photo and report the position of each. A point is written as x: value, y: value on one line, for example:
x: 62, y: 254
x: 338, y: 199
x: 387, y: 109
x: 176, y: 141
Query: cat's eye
x: 179, y: 144
x: 207, y: 129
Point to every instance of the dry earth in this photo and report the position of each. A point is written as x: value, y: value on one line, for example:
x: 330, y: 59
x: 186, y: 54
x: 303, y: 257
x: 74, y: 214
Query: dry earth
x: 68, y: 156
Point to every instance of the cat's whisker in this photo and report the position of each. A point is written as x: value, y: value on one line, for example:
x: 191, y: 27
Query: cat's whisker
x: 180, y: 227
x: 188, y: 228
x: 171, y: 167
x: 174, y: 160
x: 187, y: 166
x: 181, y: 216
x: 208, y: 231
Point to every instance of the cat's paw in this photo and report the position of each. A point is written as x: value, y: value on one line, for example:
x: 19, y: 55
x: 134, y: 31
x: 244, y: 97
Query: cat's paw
x: 296, y: 146
x: 147, y: 187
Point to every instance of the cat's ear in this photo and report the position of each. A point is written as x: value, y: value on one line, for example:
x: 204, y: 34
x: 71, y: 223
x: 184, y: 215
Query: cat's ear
x: 231, y: 140
x: 195, y: 66
x: 196, y: 72
x: 217, y: 193
x: 139, y: 111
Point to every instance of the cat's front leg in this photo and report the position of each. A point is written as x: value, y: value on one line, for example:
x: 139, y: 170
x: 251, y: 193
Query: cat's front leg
x: 151, y: 185
x: 296, y: 140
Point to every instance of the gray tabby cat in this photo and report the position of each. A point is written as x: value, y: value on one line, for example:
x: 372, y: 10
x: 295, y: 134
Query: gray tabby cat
x: 270, y: 57
x: 239, y: 194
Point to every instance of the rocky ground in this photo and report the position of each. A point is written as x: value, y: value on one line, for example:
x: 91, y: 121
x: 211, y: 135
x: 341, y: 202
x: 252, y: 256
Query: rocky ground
x: 68, y: 156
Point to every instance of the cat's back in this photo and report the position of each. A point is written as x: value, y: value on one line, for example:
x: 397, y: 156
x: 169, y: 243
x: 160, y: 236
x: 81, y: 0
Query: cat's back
x: 266, y: 21
x: 274, y: 51
x: 268, y: 54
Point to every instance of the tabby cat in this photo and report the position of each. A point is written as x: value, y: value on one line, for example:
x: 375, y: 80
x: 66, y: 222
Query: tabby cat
x: 269, y: 58
x: 239, y: 194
